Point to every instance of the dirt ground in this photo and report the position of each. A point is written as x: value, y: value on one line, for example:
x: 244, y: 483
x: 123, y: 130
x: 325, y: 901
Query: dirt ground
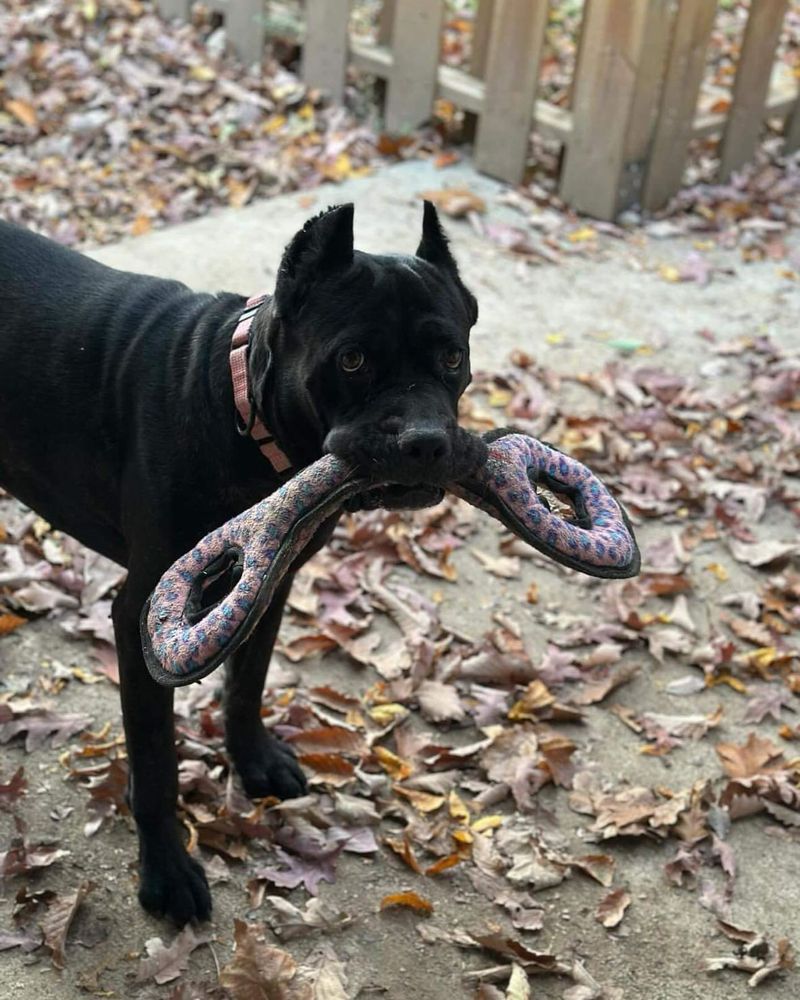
x: 569, y: 317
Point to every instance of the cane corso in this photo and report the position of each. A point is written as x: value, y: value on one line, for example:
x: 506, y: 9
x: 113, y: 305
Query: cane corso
x: 119, y: 425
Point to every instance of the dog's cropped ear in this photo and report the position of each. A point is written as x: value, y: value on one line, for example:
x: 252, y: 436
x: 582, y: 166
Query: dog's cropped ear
x: 322, y: 247
x: 435, y: 248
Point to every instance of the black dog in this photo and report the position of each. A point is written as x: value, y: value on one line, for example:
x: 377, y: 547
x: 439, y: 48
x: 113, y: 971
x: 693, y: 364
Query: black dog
x: 118, y: 425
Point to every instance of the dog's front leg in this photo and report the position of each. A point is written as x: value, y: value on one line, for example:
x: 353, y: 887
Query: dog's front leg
x: 171, y: 883
x: 265, y: 764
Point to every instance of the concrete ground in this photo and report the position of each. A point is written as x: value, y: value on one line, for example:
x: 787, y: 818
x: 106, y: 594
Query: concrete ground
x: 659, y: 949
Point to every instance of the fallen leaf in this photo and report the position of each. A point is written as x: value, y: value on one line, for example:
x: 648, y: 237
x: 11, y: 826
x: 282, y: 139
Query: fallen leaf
x: 12, y: 790
x: 762, y: 553
x: 56, y: 922
x: 756, y: 756
x: 289, y: 921
x: 23, y: 857
x: 23, y: 111
x: 439, y: 702
x: 407, y: 899
x: 505, y: 567
x: 612, y: 907
x: 518, y: 985
x: 328, y: 739
x: 8, y: 622
x: 39, y: 725
x: 258, y: 971
x: 28, y: 939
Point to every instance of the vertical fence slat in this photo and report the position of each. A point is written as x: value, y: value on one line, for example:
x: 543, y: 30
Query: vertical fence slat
x: 325, y: 46
x: 650, y: 70
x: 650, y: 77
x: 751, y: 86
x: 792, y: 131
x: 481, y: 35
x: 685, y: 68
x: 173, y: 8
x: 386, y: 22
x: 244, y: 26
x: 612, y: 40
x: 512, y: 78
x: 416, y: 41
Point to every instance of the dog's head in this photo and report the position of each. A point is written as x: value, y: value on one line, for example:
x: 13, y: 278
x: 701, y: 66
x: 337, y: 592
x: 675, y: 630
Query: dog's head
x: 368, y: 356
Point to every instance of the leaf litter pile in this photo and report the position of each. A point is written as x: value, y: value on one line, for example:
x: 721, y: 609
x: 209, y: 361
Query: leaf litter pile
x: 111, y: 122
x: 442, y: 746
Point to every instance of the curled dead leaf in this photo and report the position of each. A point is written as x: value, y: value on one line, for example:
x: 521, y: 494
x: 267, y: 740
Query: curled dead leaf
x: 407, y: 899
x: 612, y: 907
x: 56, y: 923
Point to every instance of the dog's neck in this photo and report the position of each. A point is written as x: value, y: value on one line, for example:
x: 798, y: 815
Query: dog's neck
x: 251, y: 422
x: 283, y: 406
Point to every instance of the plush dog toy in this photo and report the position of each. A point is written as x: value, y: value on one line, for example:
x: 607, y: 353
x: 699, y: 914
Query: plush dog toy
x: 185, y: 635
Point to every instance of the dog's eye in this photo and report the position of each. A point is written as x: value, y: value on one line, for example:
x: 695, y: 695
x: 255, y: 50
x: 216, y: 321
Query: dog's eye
x: 351, y: 360
x: 452, y: 359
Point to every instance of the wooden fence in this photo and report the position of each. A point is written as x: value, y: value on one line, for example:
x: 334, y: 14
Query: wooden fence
x: 634, y: 94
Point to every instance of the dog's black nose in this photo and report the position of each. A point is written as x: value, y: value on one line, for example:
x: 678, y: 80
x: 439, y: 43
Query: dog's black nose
x: 424, y: 444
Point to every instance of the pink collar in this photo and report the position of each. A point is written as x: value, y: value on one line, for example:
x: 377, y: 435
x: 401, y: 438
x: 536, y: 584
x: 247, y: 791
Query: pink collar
x: 251, y: 424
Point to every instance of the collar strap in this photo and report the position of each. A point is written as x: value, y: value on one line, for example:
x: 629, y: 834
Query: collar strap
x: 250, y: 422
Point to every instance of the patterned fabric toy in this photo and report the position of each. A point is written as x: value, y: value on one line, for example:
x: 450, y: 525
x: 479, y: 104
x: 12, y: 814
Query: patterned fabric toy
x: 185, y: 636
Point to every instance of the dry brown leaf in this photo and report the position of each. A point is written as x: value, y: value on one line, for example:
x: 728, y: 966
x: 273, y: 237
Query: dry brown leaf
x: 534, y: 698
x: 166, y: 962
x: 612, y: 907
x: 403, y: 849
x: 329, y: 768
x: 443, y: 864
x: 56, y: 922
x: 596, y: 690
x: 756, y: 756
x: 505, y: 567
x: 396, y: 767
x: 305, y: 646
x: 531, y: 961
x: 13, y: 789
x: 439, y: 702
x: 23, y: 111
x: 9, y: 621
x: 600, y: 867
x: 328, y: 739
x: 258, y: 971
x: 754, y: 632
x: 408, y: 899
x: 424, y: 802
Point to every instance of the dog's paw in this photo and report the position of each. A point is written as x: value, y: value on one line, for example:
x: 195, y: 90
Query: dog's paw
x: 172, y: 884
x: 267, y: 766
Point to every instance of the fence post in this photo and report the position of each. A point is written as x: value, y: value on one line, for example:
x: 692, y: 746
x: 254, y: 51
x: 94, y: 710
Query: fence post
x: 244, y: 27
x: 751, y: 86
x: 173, y: 8
x: 613, y: 44
x: 673, y: 131
x: 512, y: 81
x: 325, y: 46
x: 416, y: 43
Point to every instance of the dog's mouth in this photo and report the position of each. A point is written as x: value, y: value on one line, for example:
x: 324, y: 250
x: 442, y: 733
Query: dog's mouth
x: 396, y: 496
x: 403, y: 482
